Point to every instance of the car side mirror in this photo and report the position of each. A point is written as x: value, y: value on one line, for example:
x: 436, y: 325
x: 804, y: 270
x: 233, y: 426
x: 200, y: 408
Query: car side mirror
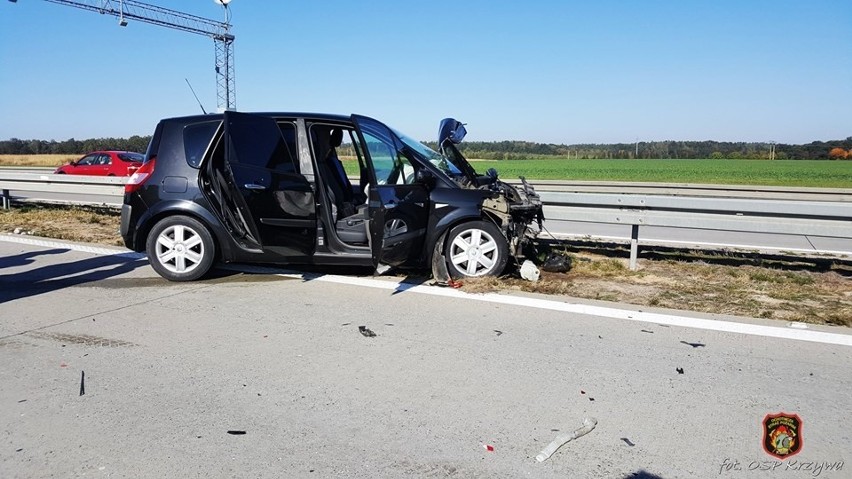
x: 425, y: 178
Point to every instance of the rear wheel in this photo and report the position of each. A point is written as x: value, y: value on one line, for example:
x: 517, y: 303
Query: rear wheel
x: 180, y: 249
x: 476, y: 248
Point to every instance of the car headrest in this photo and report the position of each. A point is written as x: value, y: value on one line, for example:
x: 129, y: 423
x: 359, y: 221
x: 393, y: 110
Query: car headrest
x: 336, y: 138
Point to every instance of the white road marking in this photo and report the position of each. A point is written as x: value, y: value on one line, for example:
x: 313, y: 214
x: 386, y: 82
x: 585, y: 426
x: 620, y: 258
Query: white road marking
x: 553, y: 305
x: 99, y: 250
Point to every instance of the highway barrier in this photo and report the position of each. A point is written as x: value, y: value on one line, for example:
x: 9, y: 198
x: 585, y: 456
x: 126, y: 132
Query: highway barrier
x: 820, y: 212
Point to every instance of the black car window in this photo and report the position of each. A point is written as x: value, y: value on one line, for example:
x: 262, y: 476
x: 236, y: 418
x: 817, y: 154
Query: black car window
x: 288, y: 161
x: 196, y: 139
x: 134, y: 157
x: 88, y: 160
x: 260, y: 143
x: 104, y: 160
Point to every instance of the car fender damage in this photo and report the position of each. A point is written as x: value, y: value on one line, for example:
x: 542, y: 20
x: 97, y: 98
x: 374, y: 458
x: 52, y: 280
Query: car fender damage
x: 517, y: 211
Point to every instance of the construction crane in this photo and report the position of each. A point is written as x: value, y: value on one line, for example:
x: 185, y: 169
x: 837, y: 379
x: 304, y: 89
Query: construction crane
x: 220, y: 32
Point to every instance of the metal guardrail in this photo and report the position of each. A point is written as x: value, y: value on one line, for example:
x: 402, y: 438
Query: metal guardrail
x: 783, y: 217
x: 775, y: 210
x: 44, y: 188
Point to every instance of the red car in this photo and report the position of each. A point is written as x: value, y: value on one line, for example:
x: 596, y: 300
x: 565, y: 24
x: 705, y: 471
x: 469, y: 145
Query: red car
x: 104, y: 163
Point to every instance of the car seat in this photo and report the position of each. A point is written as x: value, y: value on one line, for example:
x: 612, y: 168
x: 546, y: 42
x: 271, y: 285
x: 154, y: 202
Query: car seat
x: 350, y: 220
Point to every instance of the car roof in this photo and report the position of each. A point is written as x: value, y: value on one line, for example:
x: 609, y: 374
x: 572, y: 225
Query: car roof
x: 306, y: 115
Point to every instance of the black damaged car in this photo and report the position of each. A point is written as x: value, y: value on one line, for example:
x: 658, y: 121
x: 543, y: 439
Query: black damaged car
x: 271, y: 188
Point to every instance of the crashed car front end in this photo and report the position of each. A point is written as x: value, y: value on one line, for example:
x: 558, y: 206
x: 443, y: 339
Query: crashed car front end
x: 518, y: 212
x: 516, y: 209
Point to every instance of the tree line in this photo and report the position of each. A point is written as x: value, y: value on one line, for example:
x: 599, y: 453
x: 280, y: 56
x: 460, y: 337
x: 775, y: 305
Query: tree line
x: 513, y: 150
x: 524, y: 150
x: 15, y: 146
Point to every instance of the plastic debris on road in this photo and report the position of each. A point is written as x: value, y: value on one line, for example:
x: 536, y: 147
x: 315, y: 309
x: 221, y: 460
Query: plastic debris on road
x: 557, y: 263
x: 366, y: 332
x: 529, y: 271
x: 589, y: 423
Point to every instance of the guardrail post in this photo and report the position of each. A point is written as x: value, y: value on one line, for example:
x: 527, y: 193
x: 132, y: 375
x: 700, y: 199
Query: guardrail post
x: 5, y: 199
x: 634, y: 247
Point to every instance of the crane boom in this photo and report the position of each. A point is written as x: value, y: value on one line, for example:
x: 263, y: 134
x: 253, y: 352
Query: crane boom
x: 220, y: 32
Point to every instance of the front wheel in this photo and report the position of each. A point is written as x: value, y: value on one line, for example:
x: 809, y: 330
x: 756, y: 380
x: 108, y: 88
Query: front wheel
x: 180, y: 248
x: 476, y: 248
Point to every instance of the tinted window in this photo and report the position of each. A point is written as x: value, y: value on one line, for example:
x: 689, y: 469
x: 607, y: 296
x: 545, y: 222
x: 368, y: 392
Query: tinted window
x: 132, y: 157
x: 262, y: 143
x: 287, y: 163
x: 196, y: 139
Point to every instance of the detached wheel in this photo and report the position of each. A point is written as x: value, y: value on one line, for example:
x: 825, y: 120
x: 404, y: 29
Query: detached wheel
x: 477, y: 248
x: 180, y: 249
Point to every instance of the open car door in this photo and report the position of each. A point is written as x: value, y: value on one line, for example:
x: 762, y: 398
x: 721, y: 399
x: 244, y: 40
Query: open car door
x: 397, y: 206
x: 272, y: 206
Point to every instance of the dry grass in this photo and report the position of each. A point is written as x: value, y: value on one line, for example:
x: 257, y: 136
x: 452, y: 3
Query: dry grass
x: 36, y: 160
x: 745, y: 290
x: 73, y: 224
x: 707, y: 286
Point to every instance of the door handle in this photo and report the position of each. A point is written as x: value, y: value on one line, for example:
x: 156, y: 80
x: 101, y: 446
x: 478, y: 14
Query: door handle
x: 254, y: 186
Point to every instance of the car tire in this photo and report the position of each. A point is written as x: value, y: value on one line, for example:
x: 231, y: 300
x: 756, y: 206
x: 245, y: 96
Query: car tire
x: 476, y: 248
x: 180, y: 248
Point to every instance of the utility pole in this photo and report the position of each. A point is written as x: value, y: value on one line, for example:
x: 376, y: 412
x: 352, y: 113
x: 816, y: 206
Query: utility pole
x: 220, y: 32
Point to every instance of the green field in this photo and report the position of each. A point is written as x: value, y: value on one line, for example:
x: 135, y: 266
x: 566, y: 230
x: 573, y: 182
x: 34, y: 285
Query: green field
x: 805, y: 173
x: 826, y: 174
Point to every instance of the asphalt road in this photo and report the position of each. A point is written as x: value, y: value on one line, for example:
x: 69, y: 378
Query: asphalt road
x: 170, y: 369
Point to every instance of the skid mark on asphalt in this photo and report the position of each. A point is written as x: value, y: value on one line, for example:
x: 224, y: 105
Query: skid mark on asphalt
x: 16, y: 344
x: 80, y: 339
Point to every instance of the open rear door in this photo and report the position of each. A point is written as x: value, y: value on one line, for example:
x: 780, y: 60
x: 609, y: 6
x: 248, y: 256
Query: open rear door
x: 273, y: 204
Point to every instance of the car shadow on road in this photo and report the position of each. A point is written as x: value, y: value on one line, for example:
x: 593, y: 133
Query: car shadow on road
x: 27, y: 258
x: 642, y: 475
x: 58, y: 276
x: 411, y: 281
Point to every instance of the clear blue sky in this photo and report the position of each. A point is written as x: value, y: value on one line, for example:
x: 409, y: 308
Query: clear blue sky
x: 548, y: 71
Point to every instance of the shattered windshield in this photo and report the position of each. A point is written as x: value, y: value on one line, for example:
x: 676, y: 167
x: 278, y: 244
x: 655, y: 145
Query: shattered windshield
x: 443, y: 163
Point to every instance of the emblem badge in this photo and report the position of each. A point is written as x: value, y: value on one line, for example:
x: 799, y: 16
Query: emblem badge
x: 782, y: 435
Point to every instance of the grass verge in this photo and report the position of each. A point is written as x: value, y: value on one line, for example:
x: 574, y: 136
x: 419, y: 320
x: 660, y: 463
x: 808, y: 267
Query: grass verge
x: 83, y: 224
x: 788, y: 289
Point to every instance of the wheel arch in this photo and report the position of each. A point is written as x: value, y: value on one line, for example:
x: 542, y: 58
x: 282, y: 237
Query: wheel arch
x: 444, y: 227
x: 183, y: 208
